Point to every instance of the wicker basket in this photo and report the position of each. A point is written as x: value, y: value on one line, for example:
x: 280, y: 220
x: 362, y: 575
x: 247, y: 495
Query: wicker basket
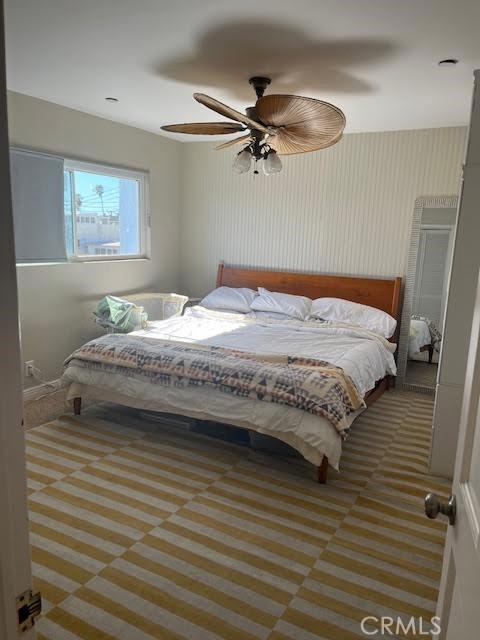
x: 159, y: 306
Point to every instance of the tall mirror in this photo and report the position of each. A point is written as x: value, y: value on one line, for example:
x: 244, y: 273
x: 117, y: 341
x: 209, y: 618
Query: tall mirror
x: 429, y: 262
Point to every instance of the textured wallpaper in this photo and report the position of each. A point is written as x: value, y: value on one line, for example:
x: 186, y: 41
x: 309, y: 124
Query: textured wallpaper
x: 346, y: 209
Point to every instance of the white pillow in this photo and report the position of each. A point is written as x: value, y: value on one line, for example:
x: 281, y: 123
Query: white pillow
x: 339, y: 310
x: 286, y: 303
x: 229, y: 299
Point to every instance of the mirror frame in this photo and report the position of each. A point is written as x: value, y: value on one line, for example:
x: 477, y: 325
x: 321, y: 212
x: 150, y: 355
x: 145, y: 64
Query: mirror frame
x: 421, y: 203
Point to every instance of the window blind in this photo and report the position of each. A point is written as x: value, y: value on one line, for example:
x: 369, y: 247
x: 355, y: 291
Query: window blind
x: 38, y: 209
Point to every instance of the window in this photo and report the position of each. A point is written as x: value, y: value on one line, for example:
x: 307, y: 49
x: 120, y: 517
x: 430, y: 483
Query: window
x: 104, y: 212
x: 77, y: 211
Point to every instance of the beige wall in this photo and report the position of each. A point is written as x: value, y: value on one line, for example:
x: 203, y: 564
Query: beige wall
x: 347, y: 209
x: 56, y: 301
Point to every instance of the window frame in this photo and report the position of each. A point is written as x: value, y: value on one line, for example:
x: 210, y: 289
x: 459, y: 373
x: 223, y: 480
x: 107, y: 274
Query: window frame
x: 141, y: 177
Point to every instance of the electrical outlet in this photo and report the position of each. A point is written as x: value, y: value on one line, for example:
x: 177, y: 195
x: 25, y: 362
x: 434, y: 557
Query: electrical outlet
x: 30, y: 368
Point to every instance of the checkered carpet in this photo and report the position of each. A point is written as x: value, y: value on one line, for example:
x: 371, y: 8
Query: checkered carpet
x: 140, y: 531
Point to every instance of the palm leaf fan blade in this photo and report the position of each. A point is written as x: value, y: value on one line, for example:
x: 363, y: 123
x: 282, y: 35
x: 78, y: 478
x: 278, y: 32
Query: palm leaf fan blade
x: 303, y: 124
x: 228, y: 112
x: 205, y: 128
x: 230, y: 143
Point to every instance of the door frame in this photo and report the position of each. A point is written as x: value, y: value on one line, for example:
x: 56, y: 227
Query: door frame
x: 459, y: 311
x: 15, y: 564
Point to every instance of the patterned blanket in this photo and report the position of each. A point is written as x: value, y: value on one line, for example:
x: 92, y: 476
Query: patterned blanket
x: 305, y: 383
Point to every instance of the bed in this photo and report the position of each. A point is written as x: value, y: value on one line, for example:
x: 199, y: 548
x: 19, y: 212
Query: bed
x: 423, y: 336
x: 420, y: 339
x: 367, y: 359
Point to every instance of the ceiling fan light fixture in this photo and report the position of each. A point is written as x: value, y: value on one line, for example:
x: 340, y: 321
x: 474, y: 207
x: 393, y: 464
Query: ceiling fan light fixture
x: 258, y: 151
x: 243, y: 161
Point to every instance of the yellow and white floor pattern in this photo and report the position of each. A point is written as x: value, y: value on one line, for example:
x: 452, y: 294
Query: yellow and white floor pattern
x: 142, y: 532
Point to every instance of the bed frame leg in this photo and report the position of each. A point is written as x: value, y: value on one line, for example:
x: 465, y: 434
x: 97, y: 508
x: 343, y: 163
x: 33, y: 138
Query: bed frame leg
x: 77, y: 406
x: 430, y: 354
x: 322, y: 471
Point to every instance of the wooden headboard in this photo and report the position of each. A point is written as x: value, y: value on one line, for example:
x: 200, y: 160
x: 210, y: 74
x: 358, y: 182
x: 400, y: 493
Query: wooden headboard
x: 380, y: 293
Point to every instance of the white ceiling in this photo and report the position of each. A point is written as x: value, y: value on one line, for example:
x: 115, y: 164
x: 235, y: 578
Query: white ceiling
x: 375, y: 59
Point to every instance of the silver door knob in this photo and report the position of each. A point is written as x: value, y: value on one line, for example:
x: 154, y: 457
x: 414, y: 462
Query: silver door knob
x: 434, y: 506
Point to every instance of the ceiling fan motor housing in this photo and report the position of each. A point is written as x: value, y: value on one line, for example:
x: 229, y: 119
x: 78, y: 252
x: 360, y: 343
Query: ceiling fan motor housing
x: 252, y: 113
x: 256, y: 134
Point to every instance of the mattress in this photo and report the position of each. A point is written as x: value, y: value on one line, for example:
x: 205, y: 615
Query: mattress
x: 363, y: 355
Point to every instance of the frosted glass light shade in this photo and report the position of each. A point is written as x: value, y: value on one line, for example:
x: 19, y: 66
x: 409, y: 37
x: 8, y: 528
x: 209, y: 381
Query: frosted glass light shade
x: 242, y: 162
x: 272, y: 163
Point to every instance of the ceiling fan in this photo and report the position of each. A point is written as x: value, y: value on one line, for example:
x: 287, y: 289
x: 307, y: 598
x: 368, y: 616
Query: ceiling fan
x: 276, y: 125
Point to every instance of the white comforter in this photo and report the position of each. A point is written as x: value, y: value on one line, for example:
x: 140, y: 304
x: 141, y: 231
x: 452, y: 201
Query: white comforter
x: 363, y: 355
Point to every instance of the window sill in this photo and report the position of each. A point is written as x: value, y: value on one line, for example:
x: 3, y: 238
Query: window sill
x: 106, y: 259
x: 97, y: 259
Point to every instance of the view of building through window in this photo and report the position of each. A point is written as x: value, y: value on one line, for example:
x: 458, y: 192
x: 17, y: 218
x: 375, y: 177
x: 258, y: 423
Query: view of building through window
x: 101, y: 214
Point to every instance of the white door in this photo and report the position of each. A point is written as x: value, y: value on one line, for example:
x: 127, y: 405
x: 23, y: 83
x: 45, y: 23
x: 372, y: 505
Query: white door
x: 433, y: 267
x: 15, y: 574
x: 459, y: 602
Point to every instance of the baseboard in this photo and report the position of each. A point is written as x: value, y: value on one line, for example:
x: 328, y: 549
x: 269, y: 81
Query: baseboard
x: 418, y: 388
x: 41, y: 390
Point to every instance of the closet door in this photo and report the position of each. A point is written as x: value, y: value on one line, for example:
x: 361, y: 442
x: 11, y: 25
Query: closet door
x: 433, y: 265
